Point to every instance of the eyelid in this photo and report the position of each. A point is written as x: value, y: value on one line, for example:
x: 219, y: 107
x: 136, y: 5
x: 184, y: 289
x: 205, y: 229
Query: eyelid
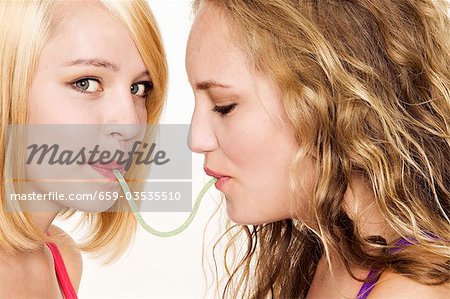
x: 99, y: 81
x: 86, y: 78
x: 224, y: 110
x: 148, y: 85
x: 144, y: 81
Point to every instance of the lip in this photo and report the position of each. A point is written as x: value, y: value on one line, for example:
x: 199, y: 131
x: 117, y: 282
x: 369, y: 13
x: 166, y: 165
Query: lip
x: 110, y: 166
x: 221, y: 178
x: 106, y: 170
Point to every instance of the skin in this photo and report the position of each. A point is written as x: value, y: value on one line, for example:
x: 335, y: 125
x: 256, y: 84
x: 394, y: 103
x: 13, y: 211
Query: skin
x: 87, y: 31
x: 67, y: 91
x: 254, y: 146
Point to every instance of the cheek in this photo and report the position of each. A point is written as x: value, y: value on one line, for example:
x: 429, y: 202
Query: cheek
x: 41, y: 102
x: 45, y: 101
x: 51, y: 102
x: 258, y: 144
x: 243, y: 138
x: 142, y: 112
x: 261, y: 152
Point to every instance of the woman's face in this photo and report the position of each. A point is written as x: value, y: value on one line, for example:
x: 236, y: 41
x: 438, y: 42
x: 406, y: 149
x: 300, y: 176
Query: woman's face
x: 239, y: 124
x: 90, y: 73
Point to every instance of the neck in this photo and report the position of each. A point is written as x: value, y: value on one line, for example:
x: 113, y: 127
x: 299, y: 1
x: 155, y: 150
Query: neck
x: 43, y: 220
x: 361, y: 206
x: 41, y: 212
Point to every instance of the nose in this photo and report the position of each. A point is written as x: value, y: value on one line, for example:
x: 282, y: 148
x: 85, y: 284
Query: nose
x: 202, y: 138
x: 124, y: 117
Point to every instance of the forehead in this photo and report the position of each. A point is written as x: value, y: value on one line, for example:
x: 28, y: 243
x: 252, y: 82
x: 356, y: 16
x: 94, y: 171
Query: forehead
x: 212, y: 51
x: 83, y: 14
x: 87, y: 29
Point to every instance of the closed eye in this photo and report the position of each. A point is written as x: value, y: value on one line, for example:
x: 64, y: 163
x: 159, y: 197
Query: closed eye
x: 224, y: 110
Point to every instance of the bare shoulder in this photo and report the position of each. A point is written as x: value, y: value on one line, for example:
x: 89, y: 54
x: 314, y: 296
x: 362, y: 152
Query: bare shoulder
x: 70, y: 254
x: 393, y: 285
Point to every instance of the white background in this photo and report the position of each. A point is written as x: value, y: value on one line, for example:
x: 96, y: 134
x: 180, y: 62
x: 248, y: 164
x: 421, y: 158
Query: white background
x: 160, y: 267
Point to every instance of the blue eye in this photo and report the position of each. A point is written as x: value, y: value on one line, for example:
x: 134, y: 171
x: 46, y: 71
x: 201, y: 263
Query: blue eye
x: 87, y: 85
x: 141, y: 89
x: 224, y: 110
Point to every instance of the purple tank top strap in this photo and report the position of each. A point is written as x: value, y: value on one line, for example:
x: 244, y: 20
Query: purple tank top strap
x: 374, y: 274
x: 368, y: 285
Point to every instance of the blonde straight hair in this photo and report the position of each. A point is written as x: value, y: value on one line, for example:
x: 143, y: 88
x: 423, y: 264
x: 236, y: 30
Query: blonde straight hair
x: 366, y: 86
x: 26, y: 27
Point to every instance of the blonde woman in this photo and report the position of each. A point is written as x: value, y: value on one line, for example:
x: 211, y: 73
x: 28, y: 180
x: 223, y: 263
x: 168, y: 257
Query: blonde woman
x: 72, y: 62
x: 326, y: 124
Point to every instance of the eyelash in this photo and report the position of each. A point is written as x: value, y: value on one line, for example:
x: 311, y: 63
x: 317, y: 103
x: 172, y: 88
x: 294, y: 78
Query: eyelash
x: 148, y: 86
x: 224, y: 110
x: 73, y: 84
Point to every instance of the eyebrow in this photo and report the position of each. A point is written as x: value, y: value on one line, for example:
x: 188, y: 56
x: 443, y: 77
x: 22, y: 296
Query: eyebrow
x: 205, y: 85
x: 101, y: 63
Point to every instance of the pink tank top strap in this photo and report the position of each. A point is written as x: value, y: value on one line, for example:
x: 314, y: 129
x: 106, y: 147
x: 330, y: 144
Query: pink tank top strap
x: 61, y: 272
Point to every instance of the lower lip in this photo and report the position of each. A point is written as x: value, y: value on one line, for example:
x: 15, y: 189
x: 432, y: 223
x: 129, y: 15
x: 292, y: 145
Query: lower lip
x: 220, y: 182
x: 108, y: 173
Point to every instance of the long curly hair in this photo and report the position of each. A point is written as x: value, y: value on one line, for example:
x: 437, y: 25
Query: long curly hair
x: 366, y: 85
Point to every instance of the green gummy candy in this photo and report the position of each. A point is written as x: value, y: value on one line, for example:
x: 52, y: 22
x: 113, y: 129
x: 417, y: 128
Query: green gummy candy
x: 142, y: 222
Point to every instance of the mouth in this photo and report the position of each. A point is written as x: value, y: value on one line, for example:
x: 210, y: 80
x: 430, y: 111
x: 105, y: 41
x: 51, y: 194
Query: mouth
x: 221, y: 178
x: 106, y: 170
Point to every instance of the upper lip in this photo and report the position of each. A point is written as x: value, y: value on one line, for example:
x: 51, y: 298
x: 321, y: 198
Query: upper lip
x: 214, y: 173
x: 110, y: 166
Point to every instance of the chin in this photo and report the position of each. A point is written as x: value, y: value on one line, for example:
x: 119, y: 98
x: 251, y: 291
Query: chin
x: 95, y: 206
x: 243, y: 216
x: 246, y: 216
x: 96, y: 196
